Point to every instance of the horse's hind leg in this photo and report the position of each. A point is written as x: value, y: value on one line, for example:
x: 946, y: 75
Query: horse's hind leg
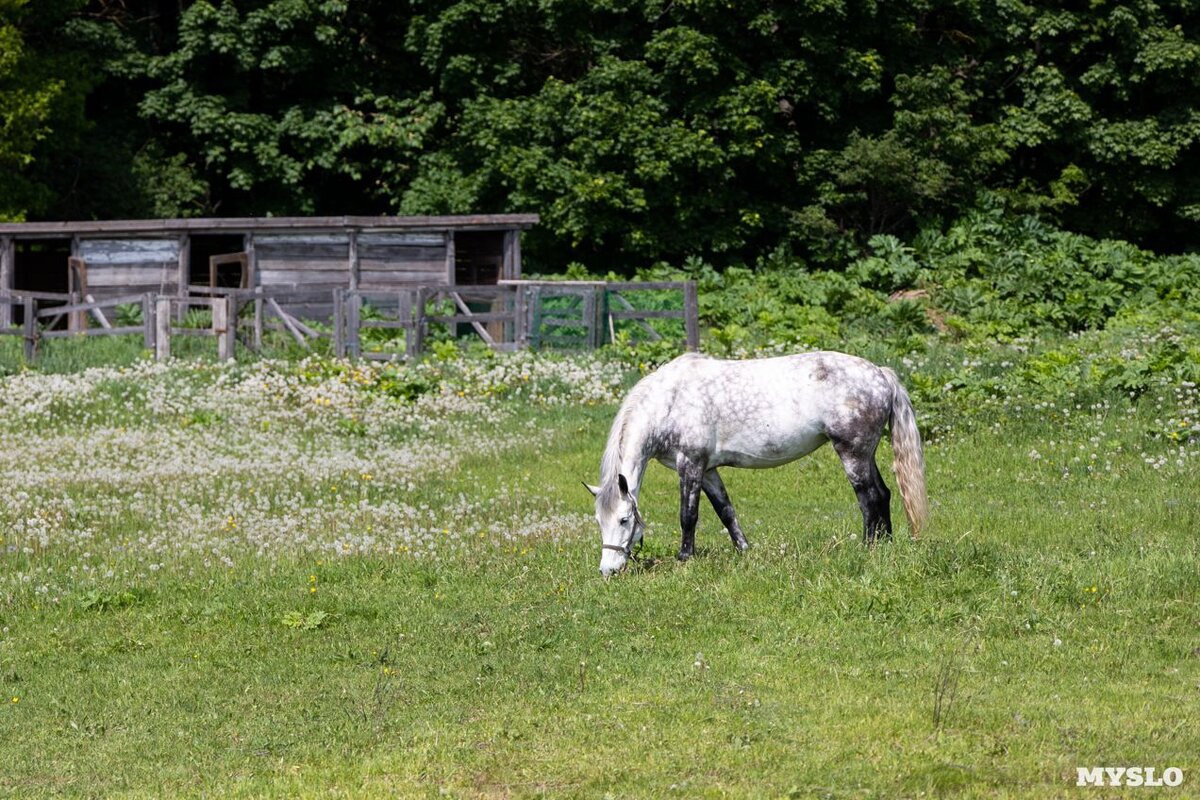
x: 714, y: 489
x: 874, y: 498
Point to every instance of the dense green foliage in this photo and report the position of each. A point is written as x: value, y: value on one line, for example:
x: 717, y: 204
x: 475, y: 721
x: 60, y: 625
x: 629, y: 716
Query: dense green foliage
x: 988, y: 277
x: 641, y: 130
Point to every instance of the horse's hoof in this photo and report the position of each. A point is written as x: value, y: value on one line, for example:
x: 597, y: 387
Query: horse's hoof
x: 683, y: 555
x: 741, y: 546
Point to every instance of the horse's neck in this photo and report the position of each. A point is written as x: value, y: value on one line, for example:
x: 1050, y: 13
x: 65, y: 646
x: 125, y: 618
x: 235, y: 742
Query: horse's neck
x: 631, y: 454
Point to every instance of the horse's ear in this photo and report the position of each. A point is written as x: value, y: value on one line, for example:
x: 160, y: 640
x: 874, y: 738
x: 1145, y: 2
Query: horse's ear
x: 595, y: 490
x: 623, y: 484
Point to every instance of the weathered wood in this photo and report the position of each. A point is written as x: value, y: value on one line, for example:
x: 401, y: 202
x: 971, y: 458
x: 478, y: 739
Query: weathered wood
x: 96, y: 312
x: 305, y: 328
x: 388, y: 241
x: 380, y: 224
x: 657, y: 313
x: 420, y: 322
x: 224, y: 327
x: 149, y: 328
x: 353, y: 259
x: 406, y: 258
x: 183, y: 264
x: 21, y: 295
x: 227, y: 258
x: 76, y: 285
x: 508, y: 264
x: 317, y: 311
x: 339, y: 323
x: 122, y: 331
x: 147, y: 273
x: 89, y: 305
x: 286, y: 319
x: 353, y: 320
x: 110, y: 252
x: 251, y: 248
x: 389, y: 280
x: 272, y: 276
x: 30, y: 329
x: 177, y: 331
x: 388, y: 324
x: 551, y: 284
x: 406, y: 309
x: 162, y: 328
x: 691, y: 315
x: 7, y: 271
x: 302, y: 241
x: 450, y: 265
x: 472, y: 317
x: 520, y: 317
x: 649, y: 329
x: 317, y: 256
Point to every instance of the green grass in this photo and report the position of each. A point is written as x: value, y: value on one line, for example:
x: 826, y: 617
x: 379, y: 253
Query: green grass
x: 1047, y: 620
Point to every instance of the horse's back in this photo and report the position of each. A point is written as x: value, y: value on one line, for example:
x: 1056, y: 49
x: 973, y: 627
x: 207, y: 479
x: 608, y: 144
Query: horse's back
x: 763, y: 412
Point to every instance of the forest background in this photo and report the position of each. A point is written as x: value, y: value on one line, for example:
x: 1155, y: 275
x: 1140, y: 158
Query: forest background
x: 680, y: 132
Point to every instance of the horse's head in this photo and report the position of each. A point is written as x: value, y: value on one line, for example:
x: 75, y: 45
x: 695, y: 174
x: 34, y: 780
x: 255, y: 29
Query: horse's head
x: 621, y: 525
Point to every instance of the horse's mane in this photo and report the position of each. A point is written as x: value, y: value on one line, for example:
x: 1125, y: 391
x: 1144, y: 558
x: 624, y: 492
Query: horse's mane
x: 614, y: 451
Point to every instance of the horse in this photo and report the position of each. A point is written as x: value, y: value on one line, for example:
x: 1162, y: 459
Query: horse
x: 696, y: 414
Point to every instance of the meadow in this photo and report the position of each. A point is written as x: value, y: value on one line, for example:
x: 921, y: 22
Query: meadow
x: 305, y: 577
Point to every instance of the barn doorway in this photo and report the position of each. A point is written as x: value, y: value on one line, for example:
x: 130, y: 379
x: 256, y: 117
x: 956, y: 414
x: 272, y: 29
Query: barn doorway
x: 39, y: 265
x: 478, y: 257
x: 230, y: 274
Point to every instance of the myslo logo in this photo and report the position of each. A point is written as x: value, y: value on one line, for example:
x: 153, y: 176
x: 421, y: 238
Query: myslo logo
x: 1127, y: 776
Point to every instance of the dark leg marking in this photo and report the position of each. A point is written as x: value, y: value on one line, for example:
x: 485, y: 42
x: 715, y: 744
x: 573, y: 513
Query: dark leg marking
x: 874, y: 498
x: 714, y: 489
x: 690, y: 477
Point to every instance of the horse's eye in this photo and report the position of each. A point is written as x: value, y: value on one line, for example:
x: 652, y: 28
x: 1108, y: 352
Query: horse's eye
x: 624, y: 520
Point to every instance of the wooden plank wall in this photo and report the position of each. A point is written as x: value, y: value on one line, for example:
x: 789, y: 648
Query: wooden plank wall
x: 366, y: 260
x: 393, y: 260
x: 128, y: 266
x: 305, y: 262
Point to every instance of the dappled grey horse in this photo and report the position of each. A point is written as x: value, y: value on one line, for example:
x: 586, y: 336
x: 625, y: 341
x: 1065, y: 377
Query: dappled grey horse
x: 696, y: 414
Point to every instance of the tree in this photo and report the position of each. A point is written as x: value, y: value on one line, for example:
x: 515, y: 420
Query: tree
x: 27, y: 96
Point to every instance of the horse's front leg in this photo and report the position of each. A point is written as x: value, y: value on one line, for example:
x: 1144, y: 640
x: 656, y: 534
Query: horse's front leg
x: 714, y: 488
x: 691, y: 477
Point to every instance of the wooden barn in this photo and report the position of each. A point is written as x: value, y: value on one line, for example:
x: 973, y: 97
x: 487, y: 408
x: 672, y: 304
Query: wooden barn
x: 304, y: 256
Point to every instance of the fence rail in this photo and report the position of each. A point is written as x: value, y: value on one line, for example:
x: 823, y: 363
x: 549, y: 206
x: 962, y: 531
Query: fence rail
x: 505, y: 316
x: 508, y: 315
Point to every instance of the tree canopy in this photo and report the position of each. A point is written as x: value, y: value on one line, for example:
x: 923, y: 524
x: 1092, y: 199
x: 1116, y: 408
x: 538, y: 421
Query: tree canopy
x: 641, y: 130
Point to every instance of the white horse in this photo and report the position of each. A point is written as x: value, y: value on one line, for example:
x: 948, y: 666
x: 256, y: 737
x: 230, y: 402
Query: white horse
x: 696, y: 414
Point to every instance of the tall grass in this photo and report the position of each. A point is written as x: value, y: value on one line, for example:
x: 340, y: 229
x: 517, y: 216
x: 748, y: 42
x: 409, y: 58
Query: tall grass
x: 309, y: 578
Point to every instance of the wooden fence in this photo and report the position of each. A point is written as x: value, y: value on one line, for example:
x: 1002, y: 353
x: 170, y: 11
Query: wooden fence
x: 507, y: 316
x: 42, y: 312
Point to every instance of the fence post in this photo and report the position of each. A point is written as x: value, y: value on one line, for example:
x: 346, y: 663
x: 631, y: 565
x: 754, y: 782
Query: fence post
x: 339, y: 323
x: 691, y: 315
x: 589, y: 318
x: 353, y: 345
x: 148, y: 326
x: 405, y: 314
x: 418, y: 320
x: 520, y: 322
x: 258, y: 318
x: 30, y: 327
x: 223, y: 328
x: 162, y: 328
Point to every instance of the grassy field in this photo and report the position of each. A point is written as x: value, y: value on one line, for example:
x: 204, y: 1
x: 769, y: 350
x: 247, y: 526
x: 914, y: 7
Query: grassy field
x: 309, y: 579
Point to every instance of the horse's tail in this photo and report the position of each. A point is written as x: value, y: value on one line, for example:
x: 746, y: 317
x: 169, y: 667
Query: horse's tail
x: 909, y: 463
